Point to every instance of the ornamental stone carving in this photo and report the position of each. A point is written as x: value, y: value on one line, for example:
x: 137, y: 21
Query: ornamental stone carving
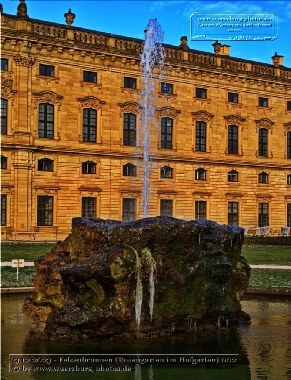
x: 168, y: 112
x: 47, y: 97
x: 5, y: 21
x: 202, y: 116
x: 130, y: 107
x: 234, y: 120
x: 264, y: 123
x: 90, y: 102
x: 7, y: 93
x: 6, y: 82
x: 24, y: 61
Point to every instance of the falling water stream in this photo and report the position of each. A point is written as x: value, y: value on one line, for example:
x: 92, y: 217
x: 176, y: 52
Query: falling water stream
x: 152, y: 58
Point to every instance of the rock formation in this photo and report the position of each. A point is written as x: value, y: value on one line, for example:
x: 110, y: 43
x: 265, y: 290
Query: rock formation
x: 146, y: 277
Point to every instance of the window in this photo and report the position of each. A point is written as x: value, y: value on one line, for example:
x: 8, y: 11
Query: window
x: 166, y: 88
x: 89, y: 76
x: 3, y: 209
x: 200, y: 174
x: 89, y: 124
x: 46, y: 70
x: 129, y: 129
x: 166, y: 172
x: 45, y: 165
x: 4, y: 103
x: 129, y: 170
x: 44, y: 210
x: 88, y: 167
x: 232, y: 176
x: 232, y: 147
x: 200, y: 210
x: 288, y: 179
x: 201, y: 93
x: 263, y: 214
x: 166, y: 133
x: 129, y: 82
x: 46, y: 121
x: 288, y: 214
x: 4, y: 64
x: 88, y: 207
x: 128, y: 209
x: 288, y: 106
x: 233, y: 97
x: 200, y: 136
x: 166, y: 207
x: 233, y: 213
x: 263, y: 142
x: 3, y: 162
x: 263, y: 177
x: 288, y: 144
x: 263, y: 102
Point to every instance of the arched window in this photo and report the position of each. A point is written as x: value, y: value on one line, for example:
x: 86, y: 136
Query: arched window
x: 166, y: 133
x: 88, y: 167
x: 166, y: 172
x: 45, y: 165
x: 89, y: 124
x: 129, y: 170
x: 129, y: 129
x: 200, y: 174
x: 46, y: 120
x: 232, y: 176
x: 263, y: 177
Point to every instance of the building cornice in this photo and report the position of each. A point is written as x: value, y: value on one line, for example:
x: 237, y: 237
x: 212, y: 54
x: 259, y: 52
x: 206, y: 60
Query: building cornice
x: 59, y: 37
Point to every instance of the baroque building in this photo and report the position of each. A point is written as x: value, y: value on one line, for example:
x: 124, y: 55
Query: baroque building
x: 71, y: 129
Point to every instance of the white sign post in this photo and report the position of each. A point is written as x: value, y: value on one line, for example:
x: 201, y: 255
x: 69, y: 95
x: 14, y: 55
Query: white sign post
x: 17, y: 263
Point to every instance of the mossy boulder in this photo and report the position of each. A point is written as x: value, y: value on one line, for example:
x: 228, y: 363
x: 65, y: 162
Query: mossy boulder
x: 150, y: 276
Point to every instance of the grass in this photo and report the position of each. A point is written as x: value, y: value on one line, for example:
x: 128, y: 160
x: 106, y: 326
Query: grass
x: 255, y: 255
x: 28, y: 252
x: 267, y: 255
x: 270, y: 278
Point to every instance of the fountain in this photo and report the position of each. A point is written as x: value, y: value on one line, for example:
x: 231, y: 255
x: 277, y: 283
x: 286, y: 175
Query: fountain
x: 93, y: 284
x: 152, y: 59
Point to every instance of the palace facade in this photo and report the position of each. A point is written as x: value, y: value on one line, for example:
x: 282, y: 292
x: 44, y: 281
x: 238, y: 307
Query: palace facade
x: 72, y: 132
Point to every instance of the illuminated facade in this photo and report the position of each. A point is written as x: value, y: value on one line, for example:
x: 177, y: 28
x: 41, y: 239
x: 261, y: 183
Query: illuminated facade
x: 71, y: 129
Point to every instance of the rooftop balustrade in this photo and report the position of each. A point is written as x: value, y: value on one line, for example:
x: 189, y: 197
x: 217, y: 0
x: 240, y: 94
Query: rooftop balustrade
x: 134, y: 46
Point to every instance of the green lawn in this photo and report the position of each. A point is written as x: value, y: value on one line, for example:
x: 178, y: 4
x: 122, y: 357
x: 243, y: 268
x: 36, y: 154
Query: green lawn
x: 254, y: 255
x: 270, y: 278
x: 267, y: 255
x: 28, y: 252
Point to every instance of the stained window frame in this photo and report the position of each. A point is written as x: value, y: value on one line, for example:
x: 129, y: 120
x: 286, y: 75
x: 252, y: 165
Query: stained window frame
x: 45, y: 210
x: 46, y: 120
x: 89, y: 207
x: 4, y: 116
x: 89, y: 125
x: 129, y: 129
x: 129, y: 209
x: 200, y: 136
x: 46, y: 70
x: 167, y: 133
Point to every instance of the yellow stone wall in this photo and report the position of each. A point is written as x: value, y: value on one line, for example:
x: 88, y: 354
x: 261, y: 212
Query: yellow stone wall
x: 25, y: 47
